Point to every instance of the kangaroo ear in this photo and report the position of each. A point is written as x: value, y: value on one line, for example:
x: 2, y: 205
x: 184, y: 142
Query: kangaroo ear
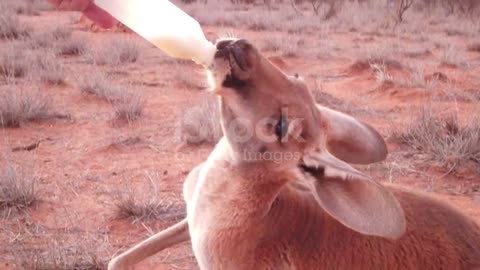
x: 353, y: 198
x: 351, y: 140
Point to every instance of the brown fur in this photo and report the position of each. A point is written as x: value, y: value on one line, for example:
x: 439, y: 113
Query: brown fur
x: 280, y: 226
x: 314, y: 211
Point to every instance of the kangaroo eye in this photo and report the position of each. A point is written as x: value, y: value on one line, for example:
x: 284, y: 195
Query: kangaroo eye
x: 281, y: 128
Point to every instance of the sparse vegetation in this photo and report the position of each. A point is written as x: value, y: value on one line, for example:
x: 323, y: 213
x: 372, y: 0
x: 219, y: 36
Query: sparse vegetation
x: 444, y: 140
x: 129, y: 108
x: 451, y: 57
x: 72, y: 47
x: 381, y: 73
x: 98, y: 84
x: 201, y: 123
x: 128, y: 203
x: 11, y: 27
x: 474, y: 47
x: 18, y: 190
x: 45, y: 39
x: 50, y: 70
x: 117, y: 51
x: 13, y: 63
x: 80, y: 251
x: 400, y: 7
x: 21, y: 104
x: 188, y: 79
x: 290, y: 47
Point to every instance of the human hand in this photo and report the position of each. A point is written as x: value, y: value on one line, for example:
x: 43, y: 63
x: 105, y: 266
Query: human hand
x: 89, y: 9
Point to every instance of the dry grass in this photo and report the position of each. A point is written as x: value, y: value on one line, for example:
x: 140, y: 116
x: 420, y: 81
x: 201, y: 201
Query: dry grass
x: 290, y: 46
x: 129, y: 107
x: 46, y: 39
x: 21, y: 104
x: 17, y: 189
x: 72, y: 47
x: 451, y: 57
x: 61, y: 251
x: 384, y: 55
x: 20, y: 7
x: 98, y: 84
x: 13, y: 62
x: 381, y: 73
x: 200, y: 124
x: 50, y: 70
x: 443, y: 140
x: 143, y: 203
x: 11, y: 27
x: 192, y: 79
x: 474, y: 47
x: 115, y: 52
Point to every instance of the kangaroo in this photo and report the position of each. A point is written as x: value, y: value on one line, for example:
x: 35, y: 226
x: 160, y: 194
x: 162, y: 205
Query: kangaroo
x: 278, y: 190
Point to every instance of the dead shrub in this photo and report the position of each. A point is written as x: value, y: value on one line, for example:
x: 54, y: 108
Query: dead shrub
x: 400, y: 7
x: 50, y: 70
x: 21, y: 104
x: 474, y: 47
x: 201, y: 123
x: 143, y: 203
x: 451, y: 57
x: 290, y: 47
x: 72, y: 47
x: 17, y: 189
x: 14, y: 63
x: 20, y: 7
x: 191, y: 79
x: 11, y: 27
x: 64, y: 251
x: 443, y: 140
x: 129, y: 107
x: 98, y: 84
x: 115, y: 52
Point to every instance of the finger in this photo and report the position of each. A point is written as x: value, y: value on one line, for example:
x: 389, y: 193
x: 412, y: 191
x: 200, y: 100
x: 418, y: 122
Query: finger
x: 99, y: 16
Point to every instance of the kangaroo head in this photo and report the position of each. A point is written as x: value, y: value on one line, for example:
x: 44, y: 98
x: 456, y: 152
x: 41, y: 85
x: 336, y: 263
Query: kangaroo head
x: 271, y: 118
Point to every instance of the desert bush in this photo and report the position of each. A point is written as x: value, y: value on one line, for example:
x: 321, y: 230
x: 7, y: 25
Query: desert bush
x: 451, y: 57
x: 443, y: 139
x: 190, y: 79
x: 20, y: 7
x: 17, y: 189
x: 399, y: 9
x: 73, y: 46
x: 331, y: 7
x: 129, y: 107
x: 381, y: 73
x: 116, y: 51
x: 60, y: 251
x: 50, y: 70
x: 21, y: 104
x: 98, y: 84
x: 474, y: 47
x: 11, y: 27
x: 384, y: 54
x: 290, y: 47
x: 142, y: 202
x: 201, y: 123
x: 47, y: 39
x: 14, y: 63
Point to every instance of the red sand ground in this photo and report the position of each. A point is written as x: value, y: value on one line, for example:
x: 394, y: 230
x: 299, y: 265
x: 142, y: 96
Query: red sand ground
x: 86, y: 161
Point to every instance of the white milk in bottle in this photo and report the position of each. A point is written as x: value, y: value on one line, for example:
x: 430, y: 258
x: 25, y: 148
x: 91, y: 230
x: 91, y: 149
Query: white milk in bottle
x: 165, y: 25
